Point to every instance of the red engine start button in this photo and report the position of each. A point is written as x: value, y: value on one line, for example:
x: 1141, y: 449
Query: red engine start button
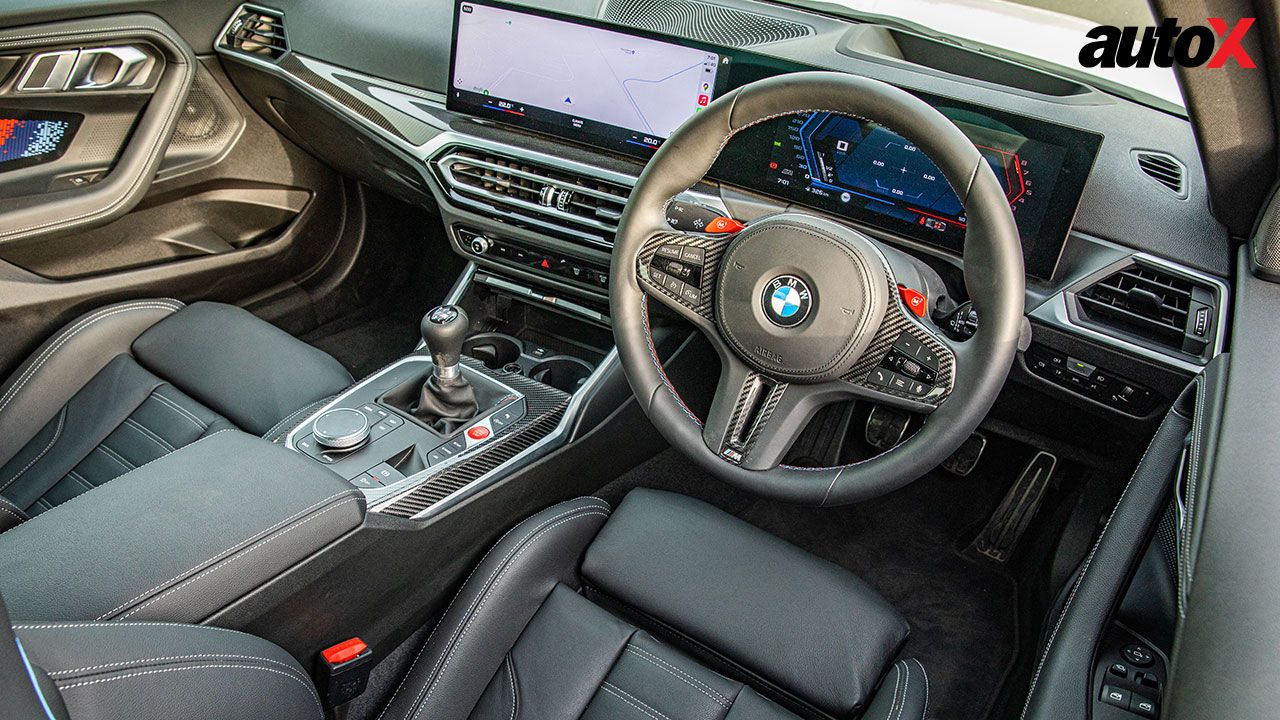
x: 479, y: 432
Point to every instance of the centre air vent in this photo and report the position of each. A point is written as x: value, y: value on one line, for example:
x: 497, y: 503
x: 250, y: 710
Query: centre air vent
x: 258, y: 32
x: 1153, y: 304
x: 549, y: 196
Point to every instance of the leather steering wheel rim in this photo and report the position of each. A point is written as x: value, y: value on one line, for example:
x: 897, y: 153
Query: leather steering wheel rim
x: 993, y: 265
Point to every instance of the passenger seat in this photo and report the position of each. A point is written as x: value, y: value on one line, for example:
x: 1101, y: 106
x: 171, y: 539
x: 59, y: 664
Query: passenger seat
x: 132, y: 382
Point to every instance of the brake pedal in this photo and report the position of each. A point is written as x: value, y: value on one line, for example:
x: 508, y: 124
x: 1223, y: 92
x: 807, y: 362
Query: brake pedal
x: 966, y: 457
x: 886, y: 426
x: 1010, y: 520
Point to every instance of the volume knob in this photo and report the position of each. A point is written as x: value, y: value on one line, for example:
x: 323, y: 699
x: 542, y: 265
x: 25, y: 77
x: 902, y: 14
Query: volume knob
x: 480, y: 244
x: 341, y: 428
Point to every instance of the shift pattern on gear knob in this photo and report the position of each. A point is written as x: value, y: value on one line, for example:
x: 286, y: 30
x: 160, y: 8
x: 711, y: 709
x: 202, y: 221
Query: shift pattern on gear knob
x: 444, y: 329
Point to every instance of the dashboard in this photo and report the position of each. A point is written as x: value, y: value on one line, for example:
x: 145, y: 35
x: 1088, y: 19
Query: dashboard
x: 627, y: 92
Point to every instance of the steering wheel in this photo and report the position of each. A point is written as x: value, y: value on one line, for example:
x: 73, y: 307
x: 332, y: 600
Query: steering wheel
x: 804, y: 311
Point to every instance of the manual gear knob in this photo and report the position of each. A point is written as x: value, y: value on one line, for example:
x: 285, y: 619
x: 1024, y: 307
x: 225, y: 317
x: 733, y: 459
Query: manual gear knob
x: 444, y: 329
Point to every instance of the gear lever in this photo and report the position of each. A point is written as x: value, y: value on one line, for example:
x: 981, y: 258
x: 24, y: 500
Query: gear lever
x: 447, y: 399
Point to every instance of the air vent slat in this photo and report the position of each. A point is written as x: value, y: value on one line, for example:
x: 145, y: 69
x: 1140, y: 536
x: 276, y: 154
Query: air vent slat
x: 258, y: 32
x: 1165, y: 169
x: 1152, y: 303
x: 534, y: 190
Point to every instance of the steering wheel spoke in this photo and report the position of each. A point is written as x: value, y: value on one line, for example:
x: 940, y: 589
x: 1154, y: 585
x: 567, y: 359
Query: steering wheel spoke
x: 754, y: 419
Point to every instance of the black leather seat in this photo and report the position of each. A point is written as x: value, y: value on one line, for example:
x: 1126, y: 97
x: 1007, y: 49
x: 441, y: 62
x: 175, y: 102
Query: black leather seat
x: 134, y: 381
x: 669, y: 610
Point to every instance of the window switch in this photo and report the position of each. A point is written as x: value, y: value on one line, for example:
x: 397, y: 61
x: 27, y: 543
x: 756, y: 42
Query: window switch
x: 1116, y: 696
x: 1120, y: 670
x: 1146, y: 707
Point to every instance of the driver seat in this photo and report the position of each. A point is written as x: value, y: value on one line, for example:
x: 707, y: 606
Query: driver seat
x: 668, y: 609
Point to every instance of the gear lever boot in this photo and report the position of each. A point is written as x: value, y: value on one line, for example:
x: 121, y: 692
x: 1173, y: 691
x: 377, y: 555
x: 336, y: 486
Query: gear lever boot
x: 447, y: 399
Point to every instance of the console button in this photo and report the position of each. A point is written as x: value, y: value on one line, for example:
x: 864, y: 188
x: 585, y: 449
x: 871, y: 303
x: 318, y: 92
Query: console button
x: 1146, y: 707
x: 456, y: 445
x: 503, y: 418
x: 478, y: 432
x: 1138, y: 655
x: 386, y: 474
x: 435, y: 457
x: 1116, y: 696
x: 1080, y: 367
x: 365, y: 480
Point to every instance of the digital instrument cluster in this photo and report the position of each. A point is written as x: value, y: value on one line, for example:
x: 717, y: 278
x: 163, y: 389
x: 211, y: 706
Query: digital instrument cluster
x: 627, y: 90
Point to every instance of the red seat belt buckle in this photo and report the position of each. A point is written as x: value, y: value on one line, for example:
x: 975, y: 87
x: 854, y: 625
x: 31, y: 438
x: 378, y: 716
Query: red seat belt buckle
x: 344, y: 671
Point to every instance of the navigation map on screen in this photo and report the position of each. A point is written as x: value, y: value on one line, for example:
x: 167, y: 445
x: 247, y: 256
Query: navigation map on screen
x: 521, y: 65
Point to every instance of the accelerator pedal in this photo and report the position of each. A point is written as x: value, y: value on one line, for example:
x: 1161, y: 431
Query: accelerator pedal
x: 1010, y: 520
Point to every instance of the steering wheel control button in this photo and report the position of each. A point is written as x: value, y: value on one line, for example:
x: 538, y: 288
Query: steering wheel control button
x: 341, y: 429
x: 689, y: 217
x: 915, y: 300
x: 670, y: 252
x: 880, y: 377
x: 691, y: 295
x: 724, y: 225
x: 1117, y: 696
x: 1138, y: 655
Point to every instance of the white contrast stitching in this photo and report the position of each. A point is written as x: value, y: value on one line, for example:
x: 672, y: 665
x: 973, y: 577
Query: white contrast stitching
x: 238, y: 555
x: 628, y: 698
x: 310, y: 690
x: 113, y: 625
x: 1085, y: 569
x: 99, y: 487
x: 906, y: 686
x: 57, y: 433
x: 164, y: 399
x: 459, y: 594
x: 146, y: 431
x: 681, y: 675
x: 515, y: 698
x: 74, y: 330
x: 494, y: 579
x: 21, y: 516
x: 924, y: 714
x: 170, y: 658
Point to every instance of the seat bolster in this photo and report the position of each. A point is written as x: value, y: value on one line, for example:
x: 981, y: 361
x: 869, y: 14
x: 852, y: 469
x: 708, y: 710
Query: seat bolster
x: 902, y: 695
x: 798, y: 623
x: 496, y: 602
x: 46, y: 381
x: 159, y: 670
x: 243, y: 367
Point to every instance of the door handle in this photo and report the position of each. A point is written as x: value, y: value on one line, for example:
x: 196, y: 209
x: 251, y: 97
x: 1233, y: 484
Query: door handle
x: 109, y: 67
x: 100, y: 68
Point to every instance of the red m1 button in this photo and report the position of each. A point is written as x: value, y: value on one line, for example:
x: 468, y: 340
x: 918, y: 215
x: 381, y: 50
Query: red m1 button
x: 915, y: 300
x: 723, y: 225
x: 479, y: 432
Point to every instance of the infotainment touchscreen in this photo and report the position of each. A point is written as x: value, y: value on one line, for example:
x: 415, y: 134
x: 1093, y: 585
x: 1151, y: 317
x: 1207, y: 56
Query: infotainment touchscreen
x: 576, y: 79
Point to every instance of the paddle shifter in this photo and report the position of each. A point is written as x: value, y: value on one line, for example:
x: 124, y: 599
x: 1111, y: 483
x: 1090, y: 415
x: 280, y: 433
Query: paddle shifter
x: 447, y: 400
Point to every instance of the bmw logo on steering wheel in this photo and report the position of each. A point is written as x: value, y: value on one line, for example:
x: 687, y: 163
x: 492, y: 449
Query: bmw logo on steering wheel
x: 786, y: 301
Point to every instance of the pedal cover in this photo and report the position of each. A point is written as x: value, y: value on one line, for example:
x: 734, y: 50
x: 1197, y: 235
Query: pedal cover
x: 966, y: 457
x: 886, y: 426
x: 1007, y: 524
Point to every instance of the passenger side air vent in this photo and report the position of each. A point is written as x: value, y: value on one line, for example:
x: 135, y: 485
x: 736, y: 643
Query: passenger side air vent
x: 258, y: 32
x: 534, y: 190
x: 703, y: 21
x: 1164, y: 169
x: 1153, y: 304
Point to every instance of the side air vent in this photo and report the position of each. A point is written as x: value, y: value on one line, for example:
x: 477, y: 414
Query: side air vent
x: 258, y: 32
x: 535, y: 191
x: 1164, y: 169
x: 1153, y: 304
x: 703, y: 21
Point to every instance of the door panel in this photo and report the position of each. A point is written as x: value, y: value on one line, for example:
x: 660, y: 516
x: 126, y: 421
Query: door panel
x: 184, y: 190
